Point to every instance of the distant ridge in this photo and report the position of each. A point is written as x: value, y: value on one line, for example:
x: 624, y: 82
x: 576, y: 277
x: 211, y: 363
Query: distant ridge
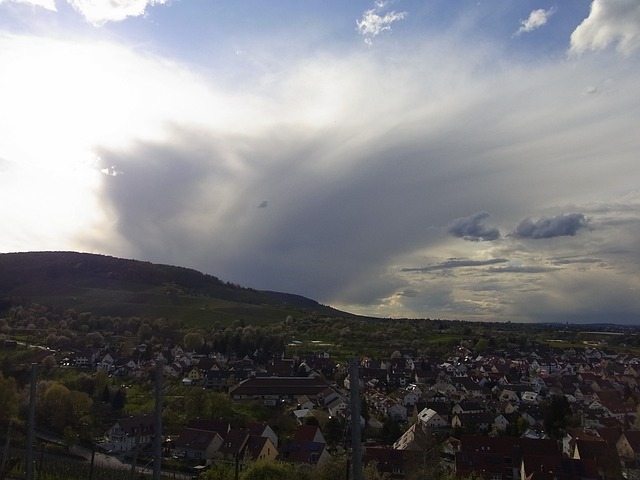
x: 114, y: 286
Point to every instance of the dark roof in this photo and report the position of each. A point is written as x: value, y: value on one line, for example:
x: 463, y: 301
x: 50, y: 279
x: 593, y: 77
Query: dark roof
x: 255, y: 444
x: 279, y: 386
x: 234, y: 442
x: 633, y: 437
x: 548, y: 467
x: 195, y: 439
x: 301, y: 452
x: 306, y: 433
x: 131, y: 425
x: 220, y: 426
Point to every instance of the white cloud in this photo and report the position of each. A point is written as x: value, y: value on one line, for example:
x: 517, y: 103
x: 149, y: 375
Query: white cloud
x: 99, y: 12
x: 375, y: 21
x: 537, y: 19
x: 46, y: 4
x: 609, y: 22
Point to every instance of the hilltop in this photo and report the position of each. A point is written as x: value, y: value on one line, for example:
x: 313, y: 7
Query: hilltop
x: 105, y: 285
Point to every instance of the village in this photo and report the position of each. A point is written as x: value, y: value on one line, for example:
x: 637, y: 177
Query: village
x: 540, y: 413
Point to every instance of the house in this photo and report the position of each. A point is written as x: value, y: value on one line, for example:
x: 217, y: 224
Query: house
x: 233, y: 447
x: 501, y: 421
x: 262, y: 430
x: 605, y: 456
x: 391, y: 462
x: 308, y: 433
x: 277, y: 388
x: 408, y: 397
x: 195, y: 375
x: 127, y: 433
x: 310, y: 453
x: 397, y: 411
x: 216, y: 379
x: 530, y: 396
x: 106, y: 363
x: 467, y: 407
x: 628, y: 445
x: 260, y: 448
x: 431, y: 419
x: 498, y: 458
x: 303, y: 401
x: 509, y: 395
x: 555, y: 466
x: 220, y: 426
x: 302, y: 415
x: 417, y: 437
x: 199, y: 445
x: 476, y: 422
x: 337, y: 406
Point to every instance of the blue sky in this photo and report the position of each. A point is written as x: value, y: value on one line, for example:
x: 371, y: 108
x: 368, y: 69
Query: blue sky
x: 461, y: 160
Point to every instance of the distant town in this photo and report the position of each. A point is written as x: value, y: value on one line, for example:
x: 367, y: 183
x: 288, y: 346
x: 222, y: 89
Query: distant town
x: 532, y: 411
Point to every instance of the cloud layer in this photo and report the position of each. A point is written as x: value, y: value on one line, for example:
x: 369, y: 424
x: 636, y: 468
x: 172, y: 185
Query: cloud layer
x: 374, y: 178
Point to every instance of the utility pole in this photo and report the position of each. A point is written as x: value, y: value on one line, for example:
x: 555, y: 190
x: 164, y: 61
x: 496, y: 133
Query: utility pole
x: 356, y: 434
x: 31, y: 423
x: 157, y: 426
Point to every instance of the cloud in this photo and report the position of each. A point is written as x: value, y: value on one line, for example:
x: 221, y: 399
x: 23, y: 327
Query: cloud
x: 456, y: 263
x: 98, y: 12
x: 558, y: 226
x: 537, y: 18
x: 472, y: 228
x: 522, y: 269
x: 609, y: 22
x: 375, y: 21
x: 367, y: 166
x: 46, y: 4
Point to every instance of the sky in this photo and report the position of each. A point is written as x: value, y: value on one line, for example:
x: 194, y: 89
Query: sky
x: 471, y: 160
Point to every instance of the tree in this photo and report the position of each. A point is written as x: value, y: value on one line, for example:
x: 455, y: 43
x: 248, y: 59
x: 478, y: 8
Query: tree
x: 390, y: 431
x: 263, y: 470
x: 193, y: 341
x: 371, y: 472
x: 49, y: 362
x: 119, y: 400
x: 334, y: 470
x: 556, y: 414
x: 56, y: 406
x: 219, y: 471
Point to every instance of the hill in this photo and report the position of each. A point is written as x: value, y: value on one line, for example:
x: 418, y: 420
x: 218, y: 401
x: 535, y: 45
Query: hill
x: 113, y: 286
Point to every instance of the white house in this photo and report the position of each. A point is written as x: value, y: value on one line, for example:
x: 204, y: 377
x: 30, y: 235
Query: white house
x: 430, y: 418
x: 127, y: 433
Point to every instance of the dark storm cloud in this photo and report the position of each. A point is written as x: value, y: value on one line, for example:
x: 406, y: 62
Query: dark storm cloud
x: 472, y: 228
x: 575, y: 260
x: 558, y: 226
x: 522, y: 269
x: 455, y: 263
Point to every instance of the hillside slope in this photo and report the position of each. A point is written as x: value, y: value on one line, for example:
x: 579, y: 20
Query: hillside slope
x: 113, y: 286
